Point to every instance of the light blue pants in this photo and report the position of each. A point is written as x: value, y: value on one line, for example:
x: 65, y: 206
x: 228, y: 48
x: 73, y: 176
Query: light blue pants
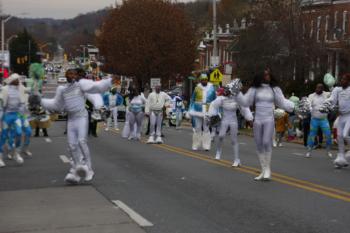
x: 11, y: 131
x: 326, y: 130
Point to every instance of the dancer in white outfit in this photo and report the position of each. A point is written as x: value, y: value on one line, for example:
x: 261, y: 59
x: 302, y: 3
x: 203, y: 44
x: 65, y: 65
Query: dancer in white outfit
x: 228, y: 104
x: 135, y: 113
x: 264, y: 94
x: 341, y: 96
x: 71, y: 98
x: 156, y: 101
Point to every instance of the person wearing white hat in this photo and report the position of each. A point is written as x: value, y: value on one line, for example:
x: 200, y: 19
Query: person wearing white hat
x: 71, y: 98
x: 13, y: 100
x: 203, y: 95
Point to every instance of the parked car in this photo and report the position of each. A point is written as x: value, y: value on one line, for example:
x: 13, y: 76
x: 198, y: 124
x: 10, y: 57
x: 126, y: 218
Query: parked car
x: 61, y: 79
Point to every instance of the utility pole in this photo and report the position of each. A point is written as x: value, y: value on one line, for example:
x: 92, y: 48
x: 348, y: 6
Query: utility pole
x: 29, y: 51
x: 215, y: 57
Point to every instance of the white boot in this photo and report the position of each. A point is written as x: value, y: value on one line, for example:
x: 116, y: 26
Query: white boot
x: 267, y: 173
x: 340, y: 161
x: 196, y: 141
x: 159, y: 140
x: 150, y: 140
x: 90, y: 175
x: 206, y: 141
x: 218, y: 154
x: 2, y: 163
x: 262, y: 164
x: 236, y: 161
x: 72, y: 178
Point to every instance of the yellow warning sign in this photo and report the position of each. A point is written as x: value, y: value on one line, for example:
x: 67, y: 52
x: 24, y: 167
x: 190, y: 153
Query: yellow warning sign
x: 216, y: 77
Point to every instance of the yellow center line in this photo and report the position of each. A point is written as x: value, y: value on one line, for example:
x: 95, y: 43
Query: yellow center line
x: 255, y: 170
x: 283, y: 179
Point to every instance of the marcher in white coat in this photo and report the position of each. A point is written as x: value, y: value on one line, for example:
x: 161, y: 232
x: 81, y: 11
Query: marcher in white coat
x: 264, y: 94
x: 156, y: 101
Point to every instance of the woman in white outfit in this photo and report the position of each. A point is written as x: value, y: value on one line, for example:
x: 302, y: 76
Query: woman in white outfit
x: 229, y: 106
x: 135, y: 113
x: 264, y: 94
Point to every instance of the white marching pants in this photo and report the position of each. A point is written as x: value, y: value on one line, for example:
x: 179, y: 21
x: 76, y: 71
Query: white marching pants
x: 156, y: 119
x: 233, y: 126
x: 343, y: 132
x: 135, y: 119
x: 114, y: 114
x: 263, y: 134
x: 77, y: 131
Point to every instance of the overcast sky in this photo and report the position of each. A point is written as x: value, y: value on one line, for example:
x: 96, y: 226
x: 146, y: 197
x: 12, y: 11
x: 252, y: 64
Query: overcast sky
x: 58, y: 9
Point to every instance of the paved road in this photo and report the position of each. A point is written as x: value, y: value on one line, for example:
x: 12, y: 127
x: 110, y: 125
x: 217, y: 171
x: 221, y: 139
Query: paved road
x: 181, y: 191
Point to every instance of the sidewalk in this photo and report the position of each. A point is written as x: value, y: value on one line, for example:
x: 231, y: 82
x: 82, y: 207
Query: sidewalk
x: 78, y: 209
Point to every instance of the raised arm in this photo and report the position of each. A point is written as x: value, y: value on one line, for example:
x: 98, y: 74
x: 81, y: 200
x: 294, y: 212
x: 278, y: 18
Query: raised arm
x: 95, y: 99
x: 95, y: 87
x: 282, y: 102
x: 56, y: 104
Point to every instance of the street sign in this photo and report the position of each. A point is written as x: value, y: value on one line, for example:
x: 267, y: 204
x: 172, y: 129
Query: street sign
x: 5, y: 58
x: 155, y: 82
x: 216, y: 77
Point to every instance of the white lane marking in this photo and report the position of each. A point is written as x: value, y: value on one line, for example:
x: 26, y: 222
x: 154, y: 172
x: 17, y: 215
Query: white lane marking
x: 48, y: 140
x: 64, y: 159
x: 242, y: 143
x: 141, y: 221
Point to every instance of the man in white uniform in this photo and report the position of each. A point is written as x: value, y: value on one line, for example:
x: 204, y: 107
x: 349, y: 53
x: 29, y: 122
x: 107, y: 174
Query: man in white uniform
x: 71, y: 99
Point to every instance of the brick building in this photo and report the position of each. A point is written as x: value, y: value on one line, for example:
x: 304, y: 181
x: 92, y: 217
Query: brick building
x: 326, y: 22
x: 226, y: 38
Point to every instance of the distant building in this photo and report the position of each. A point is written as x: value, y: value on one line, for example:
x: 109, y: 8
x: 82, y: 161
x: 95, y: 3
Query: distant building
x: 327, y: 23
x: 226, y: 38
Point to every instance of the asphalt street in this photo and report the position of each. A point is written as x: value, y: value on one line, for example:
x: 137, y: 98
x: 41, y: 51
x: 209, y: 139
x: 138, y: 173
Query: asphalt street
x: 178, y: 190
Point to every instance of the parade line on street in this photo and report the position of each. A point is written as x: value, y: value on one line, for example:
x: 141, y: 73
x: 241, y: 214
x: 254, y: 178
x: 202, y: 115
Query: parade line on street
x: 290, y: 181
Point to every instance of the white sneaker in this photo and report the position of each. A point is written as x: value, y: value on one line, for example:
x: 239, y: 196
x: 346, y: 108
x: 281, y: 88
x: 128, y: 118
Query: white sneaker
x: 308, y: 154
x: 151, y: 140
x: 329, y: 154
x: 18, y: 158
x: 82, y: 171
x: 159, y: 140
x: 236, y: 163
x: 106, y: 129
x: 72, y: 179
x: 280, y: 145
x: 116, y: 129
x: 274, y: 144
x: 9, y: 156
x: 340, y: 161
x: 27, y: 153
x: 2, y: 163
x: 90, y: 175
